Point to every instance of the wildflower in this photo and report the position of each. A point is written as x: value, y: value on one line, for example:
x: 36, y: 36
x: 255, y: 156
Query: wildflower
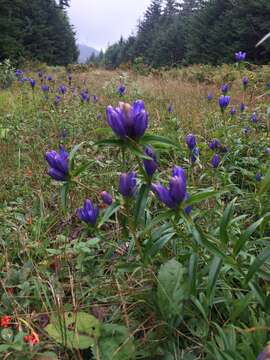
x: 19, y: 73
x: 170, y: 108
x: 40, y: 74
x: 45, y: 88
x: 84, y: 96
x: 128, y: 120
x: 95, y: 99
x: 150, y: 166
x: 254, y: 118
x: 50, y: 78
x: 69, y: 79
x: 58, y: 164
x: 191, y: 141
x: 268, y: 85
x: 89, y: 213
x: 224, y: 88
x: 215, y: 161
x: 127, y: 184
x: 240, y: 56
x: 245, y: 82
x: 32, y: 82
x: 233, y: 111
x: 121, y: 89
x: 224, y: 101
x: 194, y: 155
x: 176, y: 193
x: 62, y: 89
x: 57, y: 100
x: 242, y: 107
x: 5, y: 321
x: 106, y: 198
x: 210, y: 96
x: 258, y: 176
x: 215, y: 144
x: 32, y: 339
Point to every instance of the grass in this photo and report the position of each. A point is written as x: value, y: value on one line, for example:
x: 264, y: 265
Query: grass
x: 162, y: 286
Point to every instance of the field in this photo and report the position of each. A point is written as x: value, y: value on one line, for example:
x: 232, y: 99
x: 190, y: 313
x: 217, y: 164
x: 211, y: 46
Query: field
x: 176, y: 272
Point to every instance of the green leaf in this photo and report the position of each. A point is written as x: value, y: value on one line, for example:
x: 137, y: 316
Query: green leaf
x: 7, y: 335
x: 245, y: 235
x: 225, y: 221
x: 157, y: 141
x: 159, y: 238
x: 265, y: 184
x: 110, y: 142
x: 240, y: 305
x: 115, y: 343
x: 171, y: 291
x: 64, y: 195
x: 112, y: 209
x: 201, y: 196
x: 72, y: 155
x: 258, y: 262
x: 74, y: 330
x: 213, y: 276
x: 192, y: 273
x: 141, y: 203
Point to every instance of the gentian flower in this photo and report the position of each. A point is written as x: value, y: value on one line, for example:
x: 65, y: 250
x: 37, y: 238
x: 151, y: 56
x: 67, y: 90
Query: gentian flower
x: 170, y: 108
x: 57, y: 100
x: 128, y: 120
x: 258, y: 176
x: 84, y: 96
x: 58, y: 164
x: 245, y: 82
x: 215, y: 161
x: 224, y: 88
x: 69, y: 79
x: 224, y: 101
x: 64, y: 133
x: 50, y: 78
x: 254, y: 118
x: 106, y: 198
x: 150, y: 166
x: 233, y: 111
x: 40, y: 74
x: 242, y: 107
x: 194, y: 155
x: 45, y: 88
x: 215, y: 144
x: 95, y: 99
x: 19, y: 73
x: 177, y: 191
x: 89, y: 213
x: 240, y: 56
x: 209, y: 96
x: 62, y: 89
x: 191, y: 141
x: 32, y: 82
x: 127, y: 184
x: 121, y: 89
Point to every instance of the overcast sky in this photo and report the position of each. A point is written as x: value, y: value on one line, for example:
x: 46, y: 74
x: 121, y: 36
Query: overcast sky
x: 102, y: 22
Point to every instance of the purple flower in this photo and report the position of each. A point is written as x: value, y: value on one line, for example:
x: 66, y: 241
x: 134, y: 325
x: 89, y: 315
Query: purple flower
x: 69, y: 77
x: 84, y: 96
x: 40, y: 74
x: 95, y: 99
x: 194, y: 155
x: 224, y: 101
x: 210, y: 96
x: 89, y: 213
x: 19, y: 73
x: 224, y: 88
x: 177, y: 191
x: 191, y: 141
x: 215, y: 161
x: 170, y: 108
x: 45, y: 88
x: 150, y: 166
x: 128, y: 121
x: 106, y: 198
x: 32, y: 82
x: 265, y: 354
x: 50, y: 78
x: 127, y: 184
x: 215, y: 144
x: 254, y: 118
x: 57, y: 100
x: 268, y: 151
x: 233, y: 111
x: 242, y: 107
x: 245, y: 82
x: 58, y: 164
x: 258, y: 176
x: 188, y: 208
x: 62, y: 89
x: 240, y: 56
x: 121, y: 89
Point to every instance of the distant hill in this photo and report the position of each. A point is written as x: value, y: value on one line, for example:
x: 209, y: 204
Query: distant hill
x: 86, y: 52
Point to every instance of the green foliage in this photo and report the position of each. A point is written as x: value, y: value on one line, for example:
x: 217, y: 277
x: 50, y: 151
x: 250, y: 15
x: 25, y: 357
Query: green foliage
x: 7, y: 74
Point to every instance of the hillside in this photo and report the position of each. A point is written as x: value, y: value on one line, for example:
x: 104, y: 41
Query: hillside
x: 85, y: 52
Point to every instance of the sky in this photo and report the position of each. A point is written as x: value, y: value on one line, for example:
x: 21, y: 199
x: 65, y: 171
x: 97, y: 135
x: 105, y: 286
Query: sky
x: 101, y: 22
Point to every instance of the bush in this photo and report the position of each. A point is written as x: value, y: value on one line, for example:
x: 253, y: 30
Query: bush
x: 7, y: 74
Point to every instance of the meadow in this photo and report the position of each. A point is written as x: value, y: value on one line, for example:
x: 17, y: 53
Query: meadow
x: 168, y: 258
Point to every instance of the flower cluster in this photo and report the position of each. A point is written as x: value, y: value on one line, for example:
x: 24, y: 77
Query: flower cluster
x: 58, y: 164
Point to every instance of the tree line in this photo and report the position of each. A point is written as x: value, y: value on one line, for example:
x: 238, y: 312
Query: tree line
x: 36, y: 30
x: 185, y: 32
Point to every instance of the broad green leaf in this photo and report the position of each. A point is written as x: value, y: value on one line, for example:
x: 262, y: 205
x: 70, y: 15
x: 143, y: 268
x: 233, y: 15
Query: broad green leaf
x: 171, y: 291
x: 157, y: 141
x: 73, y: 153
x: 112, y: 209
x: 245, y: 235
x: 192, y: 273
x: 213, y: 276
x: 110, y: 142
x: 225, y: 221
x: 201, y: 196
x: 141, y: 203
x: 258, y: 262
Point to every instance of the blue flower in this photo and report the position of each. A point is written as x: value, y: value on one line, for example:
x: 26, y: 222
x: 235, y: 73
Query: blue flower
x: 128, y: 121
x: 121, y: 89
x: 50, y: 78
x: 233, y: 111
x: 150, y: 166
x: 170, y: 108
x: 45, y: 88
x: 268, y: 150
x: 240, y: 56
x: 58, y: 164
x: 106, y: 198
x: 19, y: 73
x: 95, y: 99
x: 191, y: 141
x: 254, y: 118
x: 173, y: 196
x: 194, y: 155
x: 32, y: 82
x: 224, y: 88
x: 224, y: 101
x: 84, y: 96
x: 242, y: 107
x: 258, y: 176
x: 210, y: 96
x: 62, y: 89
x: 127, y: 184
x: 245, y: 82
x: 57, y: 100
x: 215, y: 161
x: 89, y: 213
